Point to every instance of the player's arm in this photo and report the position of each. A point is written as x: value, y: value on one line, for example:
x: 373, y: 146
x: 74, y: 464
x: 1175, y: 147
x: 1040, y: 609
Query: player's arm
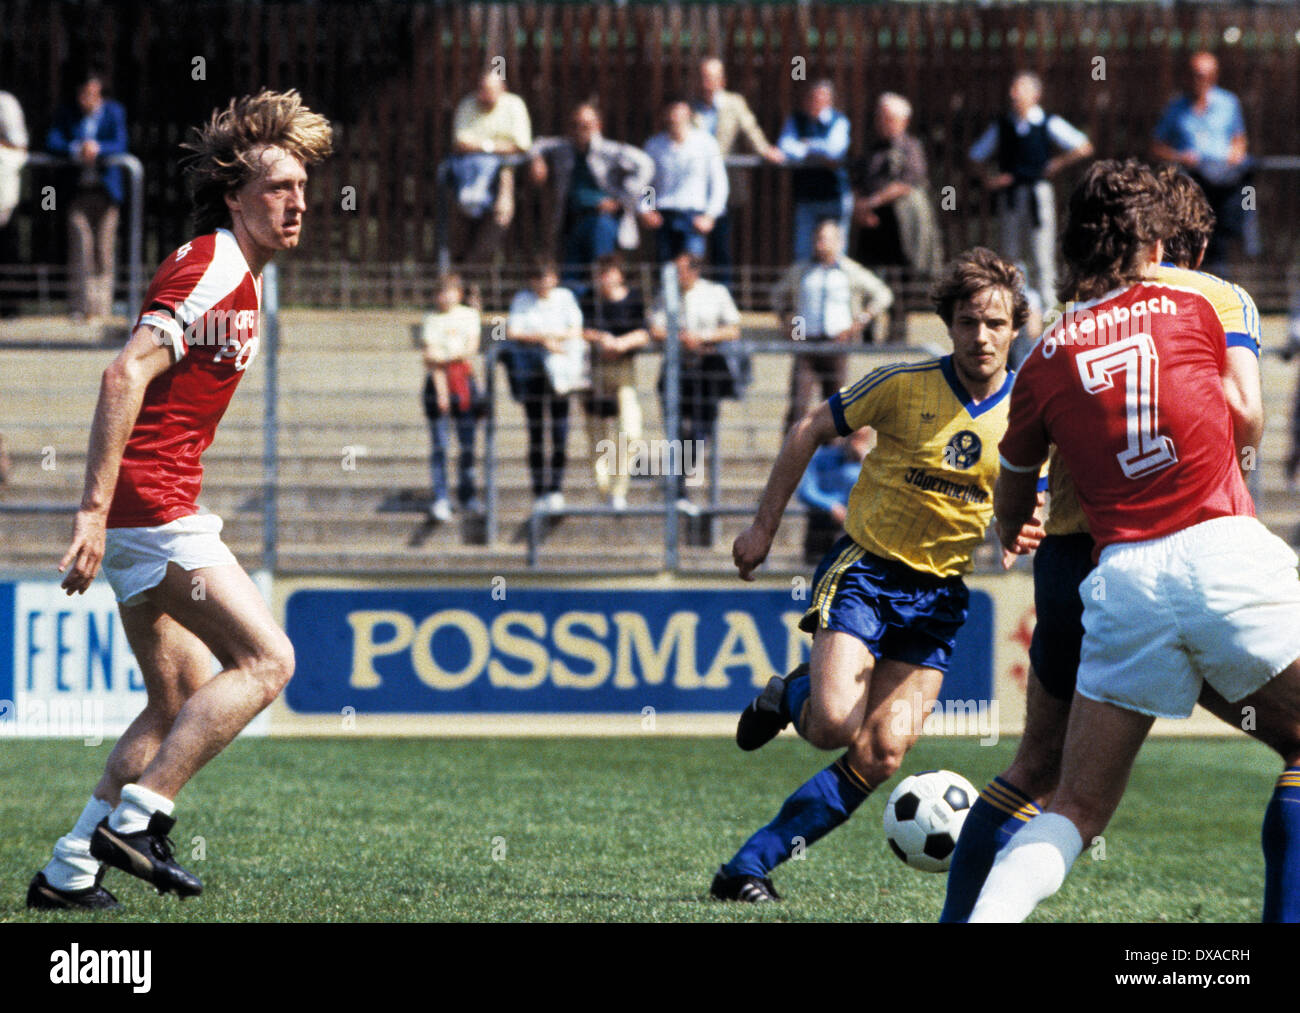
x: 1241, y: 388
x: 1015, y: 500
x: 1021, y: 453
x: 752, y: 545
x: 121, y: 391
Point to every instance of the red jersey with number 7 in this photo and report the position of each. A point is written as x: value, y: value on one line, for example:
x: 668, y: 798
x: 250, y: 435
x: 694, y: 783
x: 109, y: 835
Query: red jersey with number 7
x: 1129, y: 387
x: 203, y: 303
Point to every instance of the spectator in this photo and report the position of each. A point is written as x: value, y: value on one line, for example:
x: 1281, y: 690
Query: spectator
x: 86, y: 131
x: 708, y: 320
x: 451, y: 338
x: 825, y: 487
x: 829, y: 299
x: 546, y: 325
x: 13, y: 156
x: 1021, y: 144
x: 816, y: 137
x: 896, y: 226
x: 1204, y: 132
x: 727, y: 116
x: 689, y: 185
x: 488, y: 125
x: 597, y: 187
x: 616, y: 329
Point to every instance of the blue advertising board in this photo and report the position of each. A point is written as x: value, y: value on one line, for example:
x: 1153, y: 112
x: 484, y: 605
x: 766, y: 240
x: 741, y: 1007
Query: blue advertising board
x: 564, y: 650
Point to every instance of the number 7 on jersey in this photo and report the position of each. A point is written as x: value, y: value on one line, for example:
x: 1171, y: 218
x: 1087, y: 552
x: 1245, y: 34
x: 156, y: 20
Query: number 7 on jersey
x: 1135, y: 357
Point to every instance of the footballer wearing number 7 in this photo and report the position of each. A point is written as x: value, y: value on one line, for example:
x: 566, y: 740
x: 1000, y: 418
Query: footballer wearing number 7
x: 1196, y: 591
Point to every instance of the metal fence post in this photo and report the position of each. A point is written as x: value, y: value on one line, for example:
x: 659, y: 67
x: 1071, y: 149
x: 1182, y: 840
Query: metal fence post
x: 270, y: 340
x: 490, y: 446
x: 672, y: 411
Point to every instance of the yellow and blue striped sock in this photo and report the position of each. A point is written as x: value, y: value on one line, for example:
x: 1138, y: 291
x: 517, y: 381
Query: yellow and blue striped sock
x: 1281, y: 841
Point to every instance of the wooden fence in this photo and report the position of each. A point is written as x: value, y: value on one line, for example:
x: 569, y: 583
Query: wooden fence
x: 390, y: 74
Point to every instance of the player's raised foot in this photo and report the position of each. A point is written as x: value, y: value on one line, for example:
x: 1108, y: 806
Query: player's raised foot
x: 749, y: 889
x: 766, y: 715
x: 43, y: 896
x: 146, y: 854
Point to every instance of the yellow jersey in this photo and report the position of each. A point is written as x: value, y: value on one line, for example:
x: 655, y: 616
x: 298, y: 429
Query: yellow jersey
x: 1240, y: 318
x: 924, y: 496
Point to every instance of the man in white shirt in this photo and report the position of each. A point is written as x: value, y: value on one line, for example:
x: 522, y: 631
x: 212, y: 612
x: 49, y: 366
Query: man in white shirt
x: 1021, y: 143
x: 545, y: 323
x: 708, y: 320
x: 827, y: 300
x: 689, y: 189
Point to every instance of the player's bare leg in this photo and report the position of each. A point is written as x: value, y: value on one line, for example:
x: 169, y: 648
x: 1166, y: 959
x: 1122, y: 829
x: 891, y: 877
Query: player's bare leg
x: 900, y: 697
x: 1100, y: 746
x: 234, y: 622
x: 174, y: 665
x: 825, y: 698
x: 1036, y: 767
x: 221, y: 607
x: 841, y: 673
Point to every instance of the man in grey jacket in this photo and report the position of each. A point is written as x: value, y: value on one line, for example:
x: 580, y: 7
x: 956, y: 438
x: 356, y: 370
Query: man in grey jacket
x: 597, y: 187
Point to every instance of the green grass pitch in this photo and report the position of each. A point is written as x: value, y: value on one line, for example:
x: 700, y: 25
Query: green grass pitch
x: 594, y: 830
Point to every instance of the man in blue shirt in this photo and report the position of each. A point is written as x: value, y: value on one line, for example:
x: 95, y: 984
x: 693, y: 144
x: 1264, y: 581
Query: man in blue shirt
x: 816, y: 139
x: 1203, y: 131
x: 825, y: 489
x: 86, y: 131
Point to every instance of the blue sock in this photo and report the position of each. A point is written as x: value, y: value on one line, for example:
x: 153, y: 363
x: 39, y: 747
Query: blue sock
x: 797, y: 691
x: 1000, y: 811
x: 820, y: 804
x: 1281, y: 841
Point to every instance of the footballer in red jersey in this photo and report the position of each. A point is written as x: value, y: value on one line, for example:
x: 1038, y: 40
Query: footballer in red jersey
x: 159, y: 405
x: 1190, y: 589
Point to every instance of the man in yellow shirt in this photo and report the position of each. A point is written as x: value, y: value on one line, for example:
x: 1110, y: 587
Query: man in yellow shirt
x: 889, y: 598
x: 486, y: 126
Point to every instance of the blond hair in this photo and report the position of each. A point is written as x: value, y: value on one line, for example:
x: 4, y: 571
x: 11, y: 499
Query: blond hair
x: 227, y: 149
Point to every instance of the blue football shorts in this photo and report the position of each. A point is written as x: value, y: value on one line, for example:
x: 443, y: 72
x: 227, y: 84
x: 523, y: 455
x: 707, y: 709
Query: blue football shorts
x: 898, y: 612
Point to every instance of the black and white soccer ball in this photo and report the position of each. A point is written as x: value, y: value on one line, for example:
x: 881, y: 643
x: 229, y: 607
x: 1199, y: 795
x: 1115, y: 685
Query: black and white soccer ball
x: 925, y: 814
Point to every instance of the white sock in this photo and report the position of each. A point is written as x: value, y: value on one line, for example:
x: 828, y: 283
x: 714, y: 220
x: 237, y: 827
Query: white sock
x: 72, y: 868
x: 1028, y: 870
x: 137, y: 806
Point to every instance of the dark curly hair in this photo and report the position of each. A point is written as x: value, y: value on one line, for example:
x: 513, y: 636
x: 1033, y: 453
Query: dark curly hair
x: 1193, y: 217
x: 226, y: 150
x: 972, y: 272
x: 1116, y: 212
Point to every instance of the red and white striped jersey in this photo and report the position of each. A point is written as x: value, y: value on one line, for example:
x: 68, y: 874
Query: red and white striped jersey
x: 205, y: 301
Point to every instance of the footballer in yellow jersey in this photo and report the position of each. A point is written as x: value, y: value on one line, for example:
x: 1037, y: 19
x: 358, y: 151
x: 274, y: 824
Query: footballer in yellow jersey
x: 889, y: 598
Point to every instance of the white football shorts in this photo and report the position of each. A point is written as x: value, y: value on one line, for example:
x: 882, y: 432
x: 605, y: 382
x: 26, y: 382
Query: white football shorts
x: 135, y: 559
x: 1219, y: 602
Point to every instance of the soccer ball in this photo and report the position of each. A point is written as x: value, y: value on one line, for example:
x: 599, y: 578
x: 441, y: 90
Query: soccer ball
x: 925, y: 814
